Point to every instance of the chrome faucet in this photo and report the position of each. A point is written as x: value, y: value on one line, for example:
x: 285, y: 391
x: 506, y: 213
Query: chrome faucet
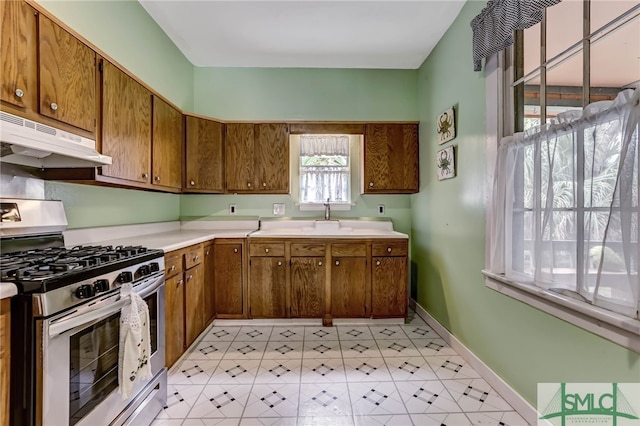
x: 327, y: 210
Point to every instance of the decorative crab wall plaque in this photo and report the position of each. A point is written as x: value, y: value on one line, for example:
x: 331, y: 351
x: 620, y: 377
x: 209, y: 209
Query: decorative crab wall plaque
x: 445, y: 162
x: 446, y: 126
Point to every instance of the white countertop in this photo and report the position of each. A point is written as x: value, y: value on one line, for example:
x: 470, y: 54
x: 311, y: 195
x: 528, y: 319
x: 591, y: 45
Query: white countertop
x: 7, y: 290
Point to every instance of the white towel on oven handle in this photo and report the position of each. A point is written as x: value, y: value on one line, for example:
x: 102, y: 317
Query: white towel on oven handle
x: 134, y: 355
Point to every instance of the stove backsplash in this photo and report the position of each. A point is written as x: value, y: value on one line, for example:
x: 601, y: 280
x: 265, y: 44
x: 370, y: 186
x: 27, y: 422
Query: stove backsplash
x: 20, y: 182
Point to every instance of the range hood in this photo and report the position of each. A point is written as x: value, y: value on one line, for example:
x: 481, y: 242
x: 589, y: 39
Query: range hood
x: 33, y: 144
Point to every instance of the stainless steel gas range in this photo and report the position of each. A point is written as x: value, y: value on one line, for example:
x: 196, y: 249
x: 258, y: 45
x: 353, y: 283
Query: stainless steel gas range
x: 66, y: 318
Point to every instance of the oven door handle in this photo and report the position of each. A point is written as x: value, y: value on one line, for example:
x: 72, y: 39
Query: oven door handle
x: 92, y: 313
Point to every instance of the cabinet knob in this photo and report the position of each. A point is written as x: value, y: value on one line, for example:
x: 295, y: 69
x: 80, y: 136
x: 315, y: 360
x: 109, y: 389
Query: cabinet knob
x: 195, y: 259
x: 319, y: 263
x: 249, y: 184
x: 206, y: 253
x: 266, y: 250
x: 190, y: 278
x: 370, y: 184
x: 173, y: 268
x: 180, y: 282
x: 54, y: 106
x: 264, y: 184
x: 377, y: 263
x: 145, y: 175
x: 192, y: 183
x: 235, y: 250
x: 279, y: 263
x: 388, y: 249
x: 337, y: 262
x: 157, y: 178
x: 19, y: 93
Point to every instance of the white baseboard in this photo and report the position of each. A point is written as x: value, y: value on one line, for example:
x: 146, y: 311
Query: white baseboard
x: 521, y: 405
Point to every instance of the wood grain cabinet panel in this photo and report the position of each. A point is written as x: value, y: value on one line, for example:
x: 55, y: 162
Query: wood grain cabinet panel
x: 267, y: 289
x: 272, y: 161
x: 239, y: 158
x: 389, y: 287
x: 308, y: 278
x: 18, y: 73
x: 67, y: 69
x: 5, y: 359
x: 348, y: 287
x: 194, y: 303
x: 209, y: 286
x: 167, y: 144
x: 229, y: 280
x: 126, y: 126
x: 204, y: 156
x: 174, y: 319
x: 390, y: 159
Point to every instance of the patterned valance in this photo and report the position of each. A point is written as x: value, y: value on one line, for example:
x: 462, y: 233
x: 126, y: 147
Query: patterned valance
x: 312, y: 145
x: 493, y: 28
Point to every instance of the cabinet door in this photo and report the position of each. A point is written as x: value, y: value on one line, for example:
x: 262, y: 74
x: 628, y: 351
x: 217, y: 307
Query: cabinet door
x: 272, y: 157
x: 5, y: 359
x: 208, y: 285
x: 174, y: 319
x: 389, y: 287
x: 194, y: 303
x: 391, y: 158
x: 308, y: 276
x: 267, y: 281
x: 167, y: 144
x: 67, y: 76
x: 348, y: 286
x: 239, y: 161
x: 18, y: 72
x: 126, y: 126
x: 204, y: 160
x: 228, y: 281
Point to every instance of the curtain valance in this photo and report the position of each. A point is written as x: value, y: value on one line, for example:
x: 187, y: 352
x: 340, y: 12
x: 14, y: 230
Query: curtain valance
x: 493, y: 28
x: 312, y: 145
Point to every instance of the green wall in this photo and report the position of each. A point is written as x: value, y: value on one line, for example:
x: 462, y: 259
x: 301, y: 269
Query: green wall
x: 523, y: 345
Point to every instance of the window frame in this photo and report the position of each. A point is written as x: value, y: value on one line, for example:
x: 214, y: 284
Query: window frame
x: 501, y: 106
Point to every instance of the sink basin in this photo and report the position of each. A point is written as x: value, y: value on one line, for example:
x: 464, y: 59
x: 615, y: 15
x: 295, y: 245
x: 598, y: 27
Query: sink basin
x: 324, y: 228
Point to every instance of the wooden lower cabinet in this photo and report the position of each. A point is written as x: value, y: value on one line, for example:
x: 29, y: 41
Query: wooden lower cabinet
x: 5, y: 359
x: 389, y: 287
x: 229, y: 281
x: 308, y: 278
x: 348, y: 287
x: 267, y: 292
x: 174, y: 319
x: 208, y: 285
x: 194, y: 303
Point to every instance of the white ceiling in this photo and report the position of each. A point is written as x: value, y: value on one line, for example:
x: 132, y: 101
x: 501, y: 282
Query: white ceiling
x: 305, y: 34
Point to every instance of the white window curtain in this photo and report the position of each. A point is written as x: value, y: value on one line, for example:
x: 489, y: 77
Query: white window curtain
x: 326, y: 173
x: 565, y: 205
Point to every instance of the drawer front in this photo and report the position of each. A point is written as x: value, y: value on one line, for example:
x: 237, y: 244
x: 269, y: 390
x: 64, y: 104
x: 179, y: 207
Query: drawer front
x: 389, y: 248
x: 173, y: 263
x: 193, y: 256
x: 266, y: 249
x: 349, y: 249
x: 302, y: 249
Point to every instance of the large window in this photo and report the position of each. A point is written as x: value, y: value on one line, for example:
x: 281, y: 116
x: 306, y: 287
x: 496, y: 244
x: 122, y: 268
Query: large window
x: 325, y: 169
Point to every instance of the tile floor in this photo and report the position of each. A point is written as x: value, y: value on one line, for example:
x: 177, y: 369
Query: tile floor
x: 345, y: 375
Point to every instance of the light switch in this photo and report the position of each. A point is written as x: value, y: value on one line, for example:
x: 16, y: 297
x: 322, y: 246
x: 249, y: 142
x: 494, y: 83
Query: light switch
x: 278, y: 209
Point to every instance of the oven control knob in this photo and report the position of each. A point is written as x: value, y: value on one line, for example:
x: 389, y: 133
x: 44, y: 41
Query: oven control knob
x: 154, y: 267
x: 85, y: 291
x: 101, y: 285
x: 143, y: 270
x: 125, y: 277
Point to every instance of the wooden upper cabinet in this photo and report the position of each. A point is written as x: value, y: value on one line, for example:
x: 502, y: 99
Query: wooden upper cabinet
x: 18, y: 74
x: 167, y: 144
x: 257, y: 158
x: 126, y: 126
x: 67, y: 69
x: 239, y: 158
x: 390, y: 158
x: 204, y: 156
x: 272, y: 157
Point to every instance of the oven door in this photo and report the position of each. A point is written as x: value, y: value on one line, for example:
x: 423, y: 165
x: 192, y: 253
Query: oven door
x: 79, y: 358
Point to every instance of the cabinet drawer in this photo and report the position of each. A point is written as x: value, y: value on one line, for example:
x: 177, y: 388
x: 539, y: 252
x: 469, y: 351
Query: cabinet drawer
x: 303, y: 249
x: 266, y: 249
x: 349, y: 249
x: 193, y: 256
x: 389, y: 248
x: 173, y: 263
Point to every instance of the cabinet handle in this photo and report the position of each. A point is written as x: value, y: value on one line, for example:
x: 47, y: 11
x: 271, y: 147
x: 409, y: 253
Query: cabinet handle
x: 195, y: 259
x: 249, y: 184
x: 157, y: 178
x: 54, y: 106
x: 388, y: 249
x: 173, y: 268
x: 377, y: 263
x: 264, y: 184
x: 337, y: 263
x: 180, y: 282
x: 235, y: 250
x: 319, y: 263
x: 279, y: 263
x: 19, y: 93
x: 145, y: 175
x: 266, y: 250
x: 206, y: 253
x: 370, y: 184
x: 192, y: 183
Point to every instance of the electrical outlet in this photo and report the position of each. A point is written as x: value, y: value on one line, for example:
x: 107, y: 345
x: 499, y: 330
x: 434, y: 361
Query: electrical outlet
x: 380, y: 209
x: 278, y: 209
x: 233, y: 209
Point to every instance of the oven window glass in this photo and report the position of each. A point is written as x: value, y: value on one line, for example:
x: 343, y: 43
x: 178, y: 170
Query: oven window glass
x: 94, y: 361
